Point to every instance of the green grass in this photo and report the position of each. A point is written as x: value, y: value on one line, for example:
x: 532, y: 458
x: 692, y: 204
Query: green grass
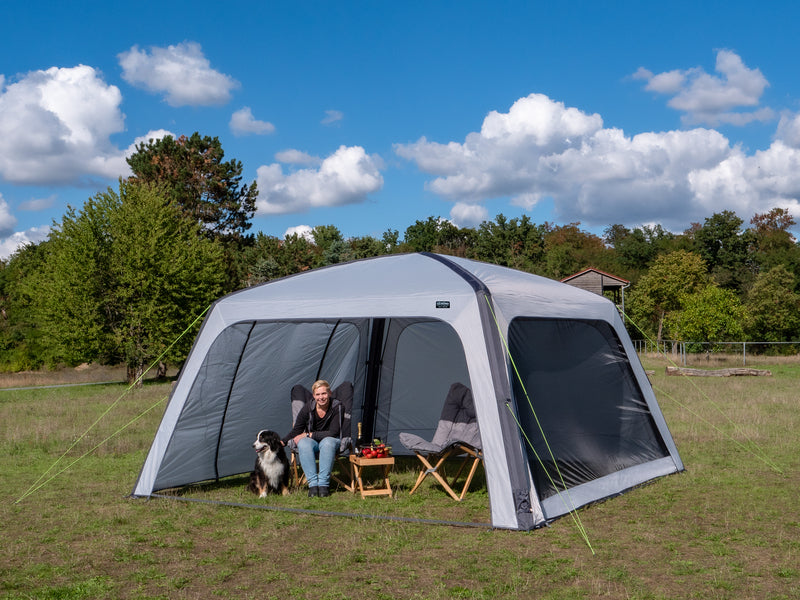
x: 729, y: 527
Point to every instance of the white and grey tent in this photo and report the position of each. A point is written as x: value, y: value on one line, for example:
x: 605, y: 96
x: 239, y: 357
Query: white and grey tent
x: 560, y: 395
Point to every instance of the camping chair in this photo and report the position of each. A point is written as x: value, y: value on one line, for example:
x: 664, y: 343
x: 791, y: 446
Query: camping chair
x: 457, y: 436
x: 344, y: 394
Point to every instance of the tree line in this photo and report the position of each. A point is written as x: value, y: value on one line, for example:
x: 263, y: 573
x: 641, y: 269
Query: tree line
x: 118, y: 280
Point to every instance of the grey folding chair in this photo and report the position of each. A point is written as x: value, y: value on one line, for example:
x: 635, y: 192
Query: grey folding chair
x: 457, y: 436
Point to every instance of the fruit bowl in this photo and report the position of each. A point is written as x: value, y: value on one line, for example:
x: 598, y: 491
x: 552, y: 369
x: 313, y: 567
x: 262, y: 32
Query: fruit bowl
x: 377, y: 449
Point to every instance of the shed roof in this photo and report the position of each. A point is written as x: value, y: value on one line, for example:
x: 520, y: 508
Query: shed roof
x: 609, y: 280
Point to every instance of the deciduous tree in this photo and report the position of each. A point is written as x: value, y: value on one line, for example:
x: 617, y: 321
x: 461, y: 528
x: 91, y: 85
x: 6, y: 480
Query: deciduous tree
x: 123, y: 277
x: 515, y: 243
x: 663, y: 288
x: 711, y: 314
x: 774, y: 307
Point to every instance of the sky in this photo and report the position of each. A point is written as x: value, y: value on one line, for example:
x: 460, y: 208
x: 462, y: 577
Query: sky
x: 371, y: 115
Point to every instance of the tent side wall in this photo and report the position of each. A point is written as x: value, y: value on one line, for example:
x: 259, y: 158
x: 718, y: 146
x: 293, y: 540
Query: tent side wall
x: 582, y: 410
x: 518, y: 295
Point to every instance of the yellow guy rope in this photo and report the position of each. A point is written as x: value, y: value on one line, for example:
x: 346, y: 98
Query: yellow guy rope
x: 568, y: 503
x: 753, y: 449
x: 36, y: 485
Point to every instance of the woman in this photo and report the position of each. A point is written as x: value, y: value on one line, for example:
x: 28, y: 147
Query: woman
x: 316, y: 433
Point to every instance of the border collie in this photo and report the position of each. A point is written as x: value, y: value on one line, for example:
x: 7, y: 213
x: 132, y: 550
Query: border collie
x: 271, y: 473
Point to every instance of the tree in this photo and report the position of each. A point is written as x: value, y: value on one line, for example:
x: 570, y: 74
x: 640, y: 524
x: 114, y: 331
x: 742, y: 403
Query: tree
x: 711, y: 314
x: 569, y: 250
x: 635, y: 250
x: 663, y: 288
x: 195, y: 177
x: 122, y: 278
x: 20, y: 340
x: 772, y: 242
x: 325, y: 236
x: 515, y: 243
x: 773, y: 307
x: 723, y: 245
x: 438, y: 235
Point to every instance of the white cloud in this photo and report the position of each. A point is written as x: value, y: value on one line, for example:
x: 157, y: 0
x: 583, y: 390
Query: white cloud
x: 303, y: 231
x: 711, y: 99
x: 243, y: 123
x: 345, y: 177
x: 332, y: 116
x: 55, y: 127
x: 12, y: 243
x: 181, y: 72
x: 152, y: 135
x: 789, y: 130
x: 596, y: 175
x: 7, y: 220
x: 468, y: 215
x: 296, y: 157
x: 38, y: 204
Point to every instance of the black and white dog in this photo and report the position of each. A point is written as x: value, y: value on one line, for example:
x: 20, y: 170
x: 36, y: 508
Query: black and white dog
x: 271, y: 473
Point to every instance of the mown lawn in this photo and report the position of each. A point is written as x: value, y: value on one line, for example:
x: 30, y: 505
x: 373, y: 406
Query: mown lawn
x: 729, y: 527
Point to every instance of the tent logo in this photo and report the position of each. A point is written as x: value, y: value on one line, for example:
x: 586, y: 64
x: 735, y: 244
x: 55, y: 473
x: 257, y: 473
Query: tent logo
x: 443, y: 304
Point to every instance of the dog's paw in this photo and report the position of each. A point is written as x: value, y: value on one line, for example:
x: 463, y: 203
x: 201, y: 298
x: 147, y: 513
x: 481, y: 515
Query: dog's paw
x: 263, y: 494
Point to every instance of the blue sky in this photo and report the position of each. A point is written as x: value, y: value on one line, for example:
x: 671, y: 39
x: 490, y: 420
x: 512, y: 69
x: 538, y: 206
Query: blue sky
x: 372, y: 115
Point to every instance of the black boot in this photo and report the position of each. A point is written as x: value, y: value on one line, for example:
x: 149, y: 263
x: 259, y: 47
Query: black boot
x: 324, y: 491
x: 313, y: 492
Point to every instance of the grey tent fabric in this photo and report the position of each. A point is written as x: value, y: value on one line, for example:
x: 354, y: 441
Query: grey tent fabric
x: 457, y: 424
x: 402, y: 328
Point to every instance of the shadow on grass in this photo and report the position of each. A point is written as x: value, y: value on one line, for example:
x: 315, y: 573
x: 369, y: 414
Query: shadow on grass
x: 429, y: 504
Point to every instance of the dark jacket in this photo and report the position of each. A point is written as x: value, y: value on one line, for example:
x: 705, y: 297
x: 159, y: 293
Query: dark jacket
x: 308, y: 421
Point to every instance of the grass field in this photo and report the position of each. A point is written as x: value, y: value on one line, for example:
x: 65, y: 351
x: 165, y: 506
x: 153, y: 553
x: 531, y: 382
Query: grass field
x: 728, y: 527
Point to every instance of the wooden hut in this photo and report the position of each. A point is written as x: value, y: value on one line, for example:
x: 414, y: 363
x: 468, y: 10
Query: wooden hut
x: 600, y: 283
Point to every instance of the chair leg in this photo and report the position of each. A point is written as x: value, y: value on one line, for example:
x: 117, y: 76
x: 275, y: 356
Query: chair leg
x: 423, y: 473
x: 474, y: 468
x: 298, y: 478
x: 344, y: 463
x: 444, y: 456
x: 438, y: 470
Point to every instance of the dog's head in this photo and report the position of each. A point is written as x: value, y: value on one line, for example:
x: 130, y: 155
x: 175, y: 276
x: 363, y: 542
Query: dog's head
x: 267, y: 440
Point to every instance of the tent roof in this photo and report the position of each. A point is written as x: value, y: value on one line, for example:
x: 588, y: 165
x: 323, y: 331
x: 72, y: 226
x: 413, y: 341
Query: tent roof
x: 410, y: 285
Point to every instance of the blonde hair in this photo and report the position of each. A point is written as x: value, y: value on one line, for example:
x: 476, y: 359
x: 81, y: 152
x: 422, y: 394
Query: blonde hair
x: 320, y: 383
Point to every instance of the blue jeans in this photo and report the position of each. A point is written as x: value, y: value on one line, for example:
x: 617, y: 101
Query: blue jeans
x: 308, y: 449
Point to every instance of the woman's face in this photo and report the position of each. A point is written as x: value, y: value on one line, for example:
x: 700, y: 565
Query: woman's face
x: 322, y: 396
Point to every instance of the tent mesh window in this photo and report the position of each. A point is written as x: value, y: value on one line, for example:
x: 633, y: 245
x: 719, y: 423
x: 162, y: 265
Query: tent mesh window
x: 581, y: 389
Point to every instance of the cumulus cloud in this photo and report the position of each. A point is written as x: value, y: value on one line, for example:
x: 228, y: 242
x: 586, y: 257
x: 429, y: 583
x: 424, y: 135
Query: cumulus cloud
x: 332, y: 116
x: 789, y: 130
x: 15, y: 241
x: 597, y: 175
x: 38, y: 204
x: 55, y: 127
x: 181, y: 72
x: 244, y: 123
x: 296, y: 157
x: 303, y: 231
x: 7, y: 220
x: 468, y: 215
x: 345, y: 177
x: 712, y: 99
